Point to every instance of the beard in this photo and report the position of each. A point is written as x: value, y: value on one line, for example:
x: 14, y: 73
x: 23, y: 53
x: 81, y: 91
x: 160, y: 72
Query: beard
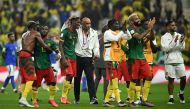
x: 43, y: 35
x: 137, y: 23
x: 172, y: 30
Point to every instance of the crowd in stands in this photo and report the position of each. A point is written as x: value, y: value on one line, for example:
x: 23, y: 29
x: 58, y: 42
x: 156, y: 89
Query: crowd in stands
x: 15, y: 13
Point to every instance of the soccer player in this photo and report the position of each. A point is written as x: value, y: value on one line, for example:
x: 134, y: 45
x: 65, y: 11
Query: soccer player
x: 68, y: 61
x: 150, y: 47
x: 172, y: 43
x: 137, y: 66
x: 122, y: 67
x: 112, y: 57
x: 26, y: 63
x: 43, y: 68
x: 10, y: 60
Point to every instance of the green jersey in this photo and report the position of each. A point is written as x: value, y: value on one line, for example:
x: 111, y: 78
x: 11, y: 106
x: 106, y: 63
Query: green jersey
x: 41, y: 56
x: 70, y: 39
x: 136, y: 46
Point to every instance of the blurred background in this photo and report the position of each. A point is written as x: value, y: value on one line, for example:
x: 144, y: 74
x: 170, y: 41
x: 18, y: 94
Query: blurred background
x: 14, y: 15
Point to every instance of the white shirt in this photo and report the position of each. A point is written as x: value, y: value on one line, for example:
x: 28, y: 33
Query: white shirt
x: 171, y: 48
x: 86, y: 45
x: 109, y: 37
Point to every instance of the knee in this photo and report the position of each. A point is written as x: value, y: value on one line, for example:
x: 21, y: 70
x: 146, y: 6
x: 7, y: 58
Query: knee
x: 34, y: 88
x: 183, y: 78
x: 170, y: 80
x: 149, y: 78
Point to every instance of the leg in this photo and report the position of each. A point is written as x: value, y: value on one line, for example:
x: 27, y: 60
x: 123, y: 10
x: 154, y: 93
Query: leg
x: 106, y: 82
x: 77, y: 79
x: 5, y: 83
x: 88, y: 69
x: 182, y: 87
x: 66, y: 89
x: 182, y: 83
x: 98, y: 77
x: 13, y: 84
x: 11, y: 73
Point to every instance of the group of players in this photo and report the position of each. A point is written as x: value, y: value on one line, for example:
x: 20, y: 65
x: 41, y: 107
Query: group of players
x: 127, y: 52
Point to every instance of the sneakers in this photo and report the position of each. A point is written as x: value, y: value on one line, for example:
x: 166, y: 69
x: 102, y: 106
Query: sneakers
x: 138, y: 102
x: 146, y: 103
x: 53, y: 103
x: 94, y: 101
x: 127, y: 100
x: 35, y: 103
x: 181, y: 98
x: 121, y: 104
x: 2, y: 90
x: 23, y: 102
x: 171, y: 101
x: 132, y: 105
x: 107, y: 104
x: 112, y: 99
x: 64, y: 100
x: 77, y: 102
x: 15, y: 91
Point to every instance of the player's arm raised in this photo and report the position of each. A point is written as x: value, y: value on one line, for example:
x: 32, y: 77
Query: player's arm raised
x: 150, y: 26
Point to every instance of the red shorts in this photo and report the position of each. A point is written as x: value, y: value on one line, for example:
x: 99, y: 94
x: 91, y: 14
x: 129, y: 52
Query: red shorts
x: 27, y: 68
x: 123, y: 71
x: 111, y: 71
x: 138, y: 69
x: 71, y: 70
x: 47, y: 74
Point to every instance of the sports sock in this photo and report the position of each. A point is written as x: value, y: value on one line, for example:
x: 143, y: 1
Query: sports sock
x: 27, y: 88
x: 132, y: 91
x: 52, y: 91
x: 146, y: 89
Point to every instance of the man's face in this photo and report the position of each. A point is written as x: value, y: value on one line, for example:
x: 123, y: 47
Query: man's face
x: 172, y: 27
x: 76, y: 24
x: 44, y: 30
x: 116, y: 25
x: 12, y: 38
x: 136, y: 21
x: 86, y: 24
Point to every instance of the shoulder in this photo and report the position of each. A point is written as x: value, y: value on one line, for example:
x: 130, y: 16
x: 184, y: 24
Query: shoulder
x: 107, y: 32
x: 64, y: 32
x: 131, y: 30
x: 165, y: 35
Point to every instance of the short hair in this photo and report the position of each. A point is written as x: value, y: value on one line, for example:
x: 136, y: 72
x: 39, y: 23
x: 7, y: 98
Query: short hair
x: 131, y: 16
x: 32, y: 24
x: 9, y: 34
x: 105, y: 27
x: 169, y: 22
x: 74, y: 19
x: 111, y: 22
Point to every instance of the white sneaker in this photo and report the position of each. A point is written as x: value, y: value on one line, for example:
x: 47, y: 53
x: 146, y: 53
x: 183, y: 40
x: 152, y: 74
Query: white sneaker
x: 23, y: 102
x: 137, y: 102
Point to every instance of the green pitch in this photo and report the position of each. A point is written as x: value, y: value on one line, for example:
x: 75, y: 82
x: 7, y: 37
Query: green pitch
x: 158, y: 96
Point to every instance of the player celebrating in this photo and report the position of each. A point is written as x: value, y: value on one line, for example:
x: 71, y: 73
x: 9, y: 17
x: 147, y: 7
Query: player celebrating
x: 68, y: 61
x: 112, y: 57
x: 43, y: 68
x: 137, y: 65
x: 172, y: 43
x: 26, y: 63
x: 10, y: 61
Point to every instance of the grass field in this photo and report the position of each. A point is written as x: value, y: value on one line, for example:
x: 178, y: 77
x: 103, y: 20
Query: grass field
x: 158, y: 96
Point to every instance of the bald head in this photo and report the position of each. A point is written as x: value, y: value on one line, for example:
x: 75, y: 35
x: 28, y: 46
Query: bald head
x: 86, y: 23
